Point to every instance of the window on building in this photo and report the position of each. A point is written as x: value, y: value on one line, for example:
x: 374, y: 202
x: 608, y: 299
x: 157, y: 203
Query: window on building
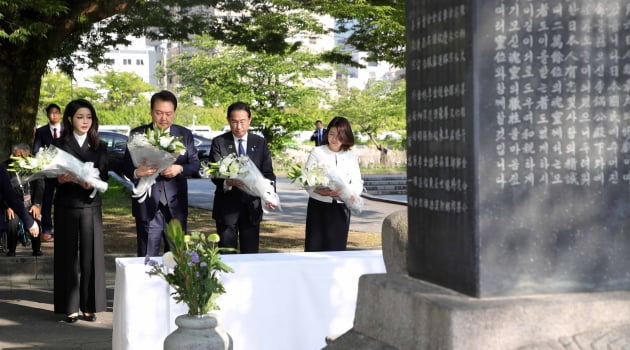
x: 127, y: 61
x: 110, y: 61
x: 140, y: 62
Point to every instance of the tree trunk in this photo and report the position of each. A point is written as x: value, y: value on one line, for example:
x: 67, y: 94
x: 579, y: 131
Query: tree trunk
x: 19, y: 97
x: 384, y: 159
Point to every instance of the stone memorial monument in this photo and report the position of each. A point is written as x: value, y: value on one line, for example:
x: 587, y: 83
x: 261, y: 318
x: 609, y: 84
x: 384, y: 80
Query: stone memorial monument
x: 518, y: 136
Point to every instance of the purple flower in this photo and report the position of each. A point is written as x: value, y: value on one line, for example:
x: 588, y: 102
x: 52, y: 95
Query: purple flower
x: 203, y: 264
x: 149, y: 261
x: 195, y: 257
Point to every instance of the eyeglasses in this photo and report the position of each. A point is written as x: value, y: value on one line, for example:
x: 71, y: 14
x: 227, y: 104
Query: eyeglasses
x: 162, y: 113
x: 239, y: 122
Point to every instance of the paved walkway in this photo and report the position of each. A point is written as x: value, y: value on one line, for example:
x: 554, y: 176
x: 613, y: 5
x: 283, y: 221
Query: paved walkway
x: 27, y: 320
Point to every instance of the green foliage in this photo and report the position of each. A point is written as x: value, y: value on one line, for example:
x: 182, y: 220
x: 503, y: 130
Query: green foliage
x: 380, y: 106
x: 273, y: 85
x: 58, y: 88
x: 121, y: 89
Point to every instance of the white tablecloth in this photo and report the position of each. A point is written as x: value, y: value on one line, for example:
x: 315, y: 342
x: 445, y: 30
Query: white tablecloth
x: 273, y: 301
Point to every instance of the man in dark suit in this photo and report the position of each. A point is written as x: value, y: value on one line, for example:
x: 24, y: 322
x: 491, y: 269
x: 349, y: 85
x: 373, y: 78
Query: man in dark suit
x: 10, y: 198
x: 237, y: 214
x: 32, y: 193
x: 44, y: 136
x: 319, y: 133
x: 169, y: 193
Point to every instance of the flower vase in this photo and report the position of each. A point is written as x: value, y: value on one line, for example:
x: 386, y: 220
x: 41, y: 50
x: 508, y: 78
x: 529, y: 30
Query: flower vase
x: 198, y: 332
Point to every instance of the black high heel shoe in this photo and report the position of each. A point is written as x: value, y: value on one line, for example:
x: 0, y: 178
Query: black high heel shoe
x: 71, y: 318
x: 89, y: 318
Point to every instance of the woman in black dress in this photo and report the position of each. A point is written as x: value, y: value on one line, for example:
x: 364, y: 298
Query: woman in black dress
x: 79, y: 251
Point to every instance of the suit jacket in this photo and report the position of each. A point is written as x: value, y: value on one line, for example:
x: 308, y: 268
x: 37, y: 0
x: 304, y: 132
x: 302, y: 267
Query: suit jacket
x: 314, y: 137
x: 35, y: 187
x: 176, y: 188
x: 70, y: 194
x: 227, y: 203
x: 10, y: 198
x: 43, y: 137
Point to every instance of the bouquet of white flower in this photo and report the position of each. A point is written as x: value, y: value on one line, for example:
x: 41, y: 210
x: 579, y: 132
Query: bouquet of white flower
x: 52, y: 162
x: 157, y: 148
x: 319, y: 176
x: 243, y: 169
x: 309, y: 178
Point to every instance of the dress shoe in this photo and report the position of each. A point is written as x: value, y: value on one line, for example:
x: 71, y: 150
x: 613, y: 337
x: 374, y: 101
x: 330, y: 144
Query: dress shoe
x: 10, y: 253
x: 71, y: 318
x: 89, y: 318
x: 38, y: 253
x: 47, y: 237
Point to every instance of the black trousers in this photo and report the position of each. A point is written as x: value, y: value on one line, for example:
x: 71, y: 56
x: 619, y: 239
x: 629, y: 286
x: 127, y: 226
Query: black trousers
x: 244, y: 233
x: 79, y: 282
x: 327, y: 226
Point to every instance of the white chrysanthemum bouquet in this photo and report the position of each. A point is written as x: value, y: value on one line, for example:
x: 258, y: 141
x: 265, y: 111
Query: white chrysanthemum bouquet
x: 154, y: 147
x: 309, y: 178
x: 52, y: 162
x: 243, y: 169
x: 319, y: 176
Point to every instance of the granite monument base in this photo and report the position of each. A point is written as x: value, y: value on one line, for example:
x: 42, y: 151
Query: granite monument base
x: 399, y: 312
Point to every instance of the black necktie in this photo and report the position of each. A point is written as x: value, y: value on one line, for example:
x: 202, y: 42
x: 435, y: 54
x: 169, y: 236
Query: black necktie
x: 54, y: 133
x: 241, y: 151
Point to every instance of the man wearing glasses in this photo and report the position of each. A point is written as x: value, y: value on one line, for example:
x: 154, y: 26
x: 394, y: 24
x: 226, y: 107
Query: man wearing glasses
x: 237, y: 214
x: 169, y: 194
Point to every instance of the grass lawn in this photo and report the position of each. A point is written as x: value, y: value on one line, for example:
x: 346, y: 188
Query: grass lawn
x: 120, y: 230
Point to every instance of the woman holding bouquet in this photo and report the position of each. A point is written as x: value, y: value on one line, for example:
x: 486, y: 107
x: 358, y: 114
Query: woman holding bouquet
x: 327, y: 217
x: 79, y: 282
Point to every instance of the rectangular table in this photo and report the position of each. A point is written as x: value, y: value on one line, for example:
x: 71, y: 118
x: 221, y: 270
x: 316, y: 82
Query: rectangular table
x: 273, y: 301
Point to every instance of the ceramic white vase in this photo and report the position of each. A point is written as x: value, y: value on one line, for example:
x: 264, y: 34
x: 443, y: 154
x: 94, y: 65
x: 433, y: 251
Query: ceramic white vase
x: 198, y: 332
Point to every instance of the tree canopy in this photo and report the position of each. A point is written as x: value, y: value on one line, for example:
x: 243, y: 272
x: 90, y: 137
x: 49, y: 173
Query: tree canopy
x: 35, y: 32
x: 272, y: 84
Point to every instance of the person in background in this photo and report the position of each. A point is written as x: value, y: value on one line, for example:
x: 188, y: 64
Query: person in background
x: 237, y: 214
x: 328, y: 219
x: 44, y: 136
x: 79, y: 254
x: 32, y: 193
x: 10, y: 198
x: 319, y: 134
x: 169, y: 193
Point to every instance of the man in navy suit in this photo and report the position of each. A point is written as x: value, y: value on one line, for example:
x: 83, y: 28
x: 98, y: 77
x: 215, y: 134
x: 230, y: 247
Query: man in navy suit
x: 319, y: 133
x: 44, y: 136
x: 237, y: 214
x: 169, y: 193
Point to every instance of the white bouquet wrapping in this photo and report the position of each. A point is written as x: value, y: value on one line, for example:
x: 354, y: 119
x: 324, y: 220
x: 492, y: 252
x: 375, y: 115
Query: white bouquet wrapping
x: 52, y: 162
x: 309, y: 178
x: 154, y: 148
x: 319, y: 176
x: 243, y: 169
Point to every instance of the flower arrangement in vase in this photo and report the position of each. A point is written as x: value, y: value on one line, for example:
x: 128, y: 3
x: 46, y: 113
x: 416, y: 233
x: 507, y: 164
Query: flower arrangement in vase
x: 192, y: 268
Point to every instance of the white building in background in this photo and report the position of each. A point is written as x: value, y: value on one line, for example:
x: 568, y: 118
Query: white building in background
x: 143, y: 57
x: 139, y: 57
x: 355, y: 77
